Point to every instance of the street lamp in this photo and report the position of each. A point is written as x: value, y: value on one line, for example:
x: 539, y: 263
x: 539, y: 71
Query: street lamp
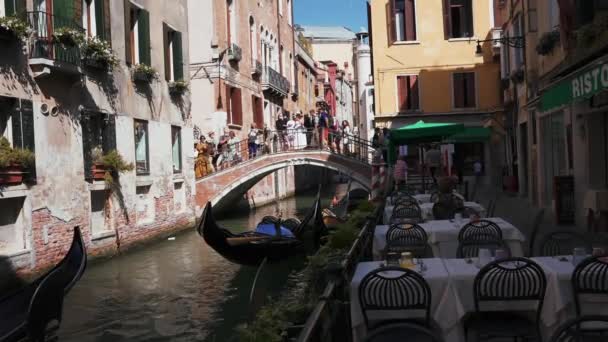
x: 515, y: 42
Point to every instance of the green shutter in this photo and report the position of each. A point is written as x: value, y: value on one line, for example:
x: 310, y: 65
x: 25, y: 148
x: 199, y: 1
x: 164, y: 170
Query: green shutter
x: 100, y: 18
x: 63, y: 9
x: 143, y: 23
x: 178, y: 59
x: 9, y: 7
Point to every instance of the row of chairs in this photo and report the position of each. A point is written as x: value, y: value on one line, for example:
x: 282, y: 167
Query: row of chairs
x: 510, y: 280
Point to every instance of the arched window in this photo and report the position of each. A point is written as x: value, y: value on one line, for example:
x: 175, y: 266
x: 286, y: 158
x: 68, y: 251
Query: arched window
x: 231, y: 28
x: 252, y: 41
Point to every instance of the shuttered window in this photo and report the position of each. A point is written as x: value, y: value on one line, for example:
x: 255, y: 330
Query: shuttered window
x: 464, y: 90
x: 95, y: 17
x: 98, y: 132
x: 458, y: 18
x: 174, y: 58
x: 401, y: 20
x: 258, y: 111
x: 12, y: 7
x: 234, y: 106
x: 17, y: 125
x: 176, y: 144
x: 407, y: 90
x: 138, y: 38
x: 142, y: 153
x: 144, y: 37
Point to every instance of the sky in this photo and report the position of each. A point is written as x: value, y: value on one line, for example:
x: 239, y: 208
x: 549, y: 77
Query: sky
x: 349, y: 13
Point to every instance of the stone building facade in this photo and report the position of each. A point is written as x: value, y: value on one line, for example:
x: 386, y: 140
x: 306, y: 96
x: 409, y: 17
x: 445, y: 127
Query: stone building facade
x: 66, y: 106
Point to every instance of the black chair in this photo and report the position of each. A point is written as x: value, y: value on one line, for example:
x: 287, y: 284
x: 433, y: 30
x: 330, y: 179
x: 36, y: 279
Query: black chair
x: 583, y: 329
x: 402, y: 332
x: 406, y: 214
x: 513, y: 279
x: 477, y: 235
x: 31, y: 311
x: 403, y: 290
x: 590, y: 277
x: 562, y: 243
x: 538, y: 220
x: 407, y: 238
x: 404, y: 201
x: 443, y: 211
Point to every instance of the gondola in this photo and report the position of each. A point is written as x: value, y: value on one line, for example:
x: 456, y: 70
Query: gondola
x: 250, y: 248
x: 336, y: 215
x: 28, y: 312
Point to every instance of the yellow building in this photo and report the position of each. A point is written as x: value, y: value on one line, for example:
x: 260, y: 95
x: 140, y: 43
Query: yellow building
x: 426, y: 67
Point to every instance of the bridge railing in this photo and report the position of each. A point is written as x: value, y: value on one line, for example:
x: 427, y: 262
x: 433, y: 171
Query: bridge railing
x: 235, y: 151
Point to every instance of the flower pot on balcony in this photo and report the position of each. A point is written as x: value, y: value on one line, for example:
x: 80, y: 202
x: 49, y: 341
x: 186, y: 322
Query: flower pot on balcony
x: 98, y: 171
x: 11, y: 175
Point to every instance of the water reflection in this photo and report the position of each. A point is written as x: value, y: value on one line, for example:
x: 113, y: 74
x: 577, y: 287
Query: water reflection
x: 177, y: 290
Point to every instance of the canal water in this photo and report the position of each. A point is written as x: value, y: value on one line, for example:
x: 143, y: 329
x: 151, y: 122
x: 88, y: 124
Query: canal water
x: 175, y: 290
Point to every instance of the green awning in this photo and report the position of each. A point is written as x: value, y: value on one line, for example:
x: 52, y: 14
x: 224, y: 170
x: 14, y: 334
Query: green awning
x: 470, y: 134
x: 420, y: 132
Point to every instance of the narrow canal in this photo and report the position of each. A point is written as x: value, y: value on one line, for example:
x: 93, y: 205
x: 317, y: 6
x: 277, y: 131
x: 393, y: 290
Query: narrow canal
x: 177, y: 290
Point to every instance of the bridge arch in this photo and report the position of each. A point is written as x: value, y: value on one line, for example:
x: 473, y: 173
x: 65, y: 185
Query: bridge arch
x: 234, y: 182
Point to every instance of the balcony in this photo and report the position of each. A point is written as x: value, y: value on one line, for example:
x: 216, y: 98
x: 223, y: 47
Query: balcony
x: 46, y: 54
x: 274, y: 82
x: 256, y: 67
x: 235, y: 53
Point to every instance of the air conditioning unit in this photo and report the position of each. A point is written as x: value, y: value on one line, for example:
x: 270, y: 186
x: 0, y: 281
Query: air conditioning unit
x: 496, y: 34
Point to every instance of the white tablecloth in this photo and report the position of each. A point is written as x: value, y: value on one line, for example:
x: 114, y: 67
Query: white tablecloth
x: 443, y: 237
x: 437, y: 278
x: 427, y: 210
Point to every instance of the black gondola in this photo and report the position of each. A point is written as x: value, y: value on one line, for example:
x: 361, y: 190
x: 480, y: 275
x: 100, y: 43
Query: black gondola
x: 28, y: 312
x: 250, y: 248
x: 338, y: 214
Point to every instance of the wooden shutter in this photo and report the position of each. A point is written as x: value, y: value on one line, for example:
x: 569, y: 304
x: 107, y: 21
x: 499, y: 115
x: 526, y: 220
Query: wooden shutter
x: 390, y: 21
x: 23, y: 129
x: 128, y: 45
x: 468, y: 14
x: 457, y: 85
x: 229, y: 104
x: 178, y: 57
x: 77, y: 5
x: 107, y: 24
x: 237, y: 110
x: 99, y: 18
x: 410, y: 20
x: 402, y: 93
x: 447, y: 20
x: 469, y: 80
x: 87, y: 144
x: 143, y: 23
x: 109, y: 133
x: 413, y: 89
x: 64, y: 8
x: 14, y: 7
x: 258, y: 111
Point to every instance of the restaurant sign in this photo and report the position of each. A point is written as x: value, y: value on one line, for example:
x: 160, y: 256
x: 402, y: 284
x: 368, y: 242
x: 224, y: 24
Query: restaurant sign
x: 579, y: 86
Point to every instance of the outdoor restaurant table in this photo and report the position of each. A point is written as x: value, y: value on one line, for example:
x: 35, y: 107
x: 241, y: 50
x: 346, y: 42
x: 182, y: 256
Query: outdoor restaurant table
x: 443, y: 237
x: 427, y: 210
x: 442, y: 296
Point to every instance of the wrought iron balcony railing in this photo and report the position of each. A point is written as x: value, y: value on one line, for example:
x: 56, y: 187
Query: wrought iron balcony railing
x: 274, y: 81
x: 43, y: 44
x: 235, y: 53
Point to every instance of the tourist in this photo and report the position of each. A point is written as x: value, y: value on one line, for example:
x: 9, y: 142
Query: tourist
x: 252, y: 141
x: 213, y: 149
x: 259, y: 142
x: 309, y: 126
x: 300, y: 132
x: 280, y: 124
x: 234, y: 149
x: 222, y: 147
x: 477, y: 169
x: 290, y: 127
x: 269, y: 139
x: 400, y: 172
x: 336, y: 136
x: 346, y: 137
x: 323, y: 126
x: 203, y: 167
x: 316, y: 139
x: 376, y: 138
x: 433, y: 161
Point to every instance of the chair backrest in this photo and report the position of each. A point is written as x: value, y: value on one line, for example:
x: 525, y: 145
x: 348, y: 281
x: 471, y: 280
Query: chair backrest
x: 563, y: 243
x: 575, y: 330
x: 394, y: 289
x: 480, y: 231
x: 512, y: 279
x: 407, y: 237
x: 406, y: 214
x: 538, y: 220
x: 443, y: 211
x: 404, y: 201
x: 590, y: 277
x: 397, y: 332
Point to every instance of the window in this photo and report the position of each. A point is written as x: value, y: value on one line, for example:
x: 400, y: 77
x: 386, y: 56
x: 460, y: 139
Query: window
x: 407, y: 90
x: 176, y: 143
x: 289, y: 12
x: 505, y: 60
x: 253, y: 46
x: 282, y: 65
x: 258, y: 111
x: 532, y: 16
x: 17, y: 124
x: 174, y: 60
x: 464, y: 90
x: 458, y: 18
x: 280, y: 7
x: 231, y: 34
x: 96, y: 18
x: 402, y: 20
x: 518, y: 29
x: 11, y: 7
x: 553, y: 15
x: 98, y: 133
x: 142, y: 156
x: 553, y: 151
x: 234, y: 106
x: 138, y: 35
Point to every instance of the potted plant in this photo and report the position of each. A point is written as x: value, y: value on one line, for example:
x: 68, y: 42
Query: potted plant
x: 178, y: 87
x: 97, y: 53
x: 68, y: 37
x: 13, y: 162
x: 144, y: 73
x: 14, y: 27
x: 98, y: 170
x: 111, y: 164
x: 547, y: 42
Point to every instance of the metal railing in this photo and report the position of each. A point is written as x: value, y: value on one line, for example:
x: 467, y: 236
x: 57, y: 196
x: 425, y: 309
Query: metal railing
x: 43, y: 45
x: 270, y: 142
x: 275, y: 81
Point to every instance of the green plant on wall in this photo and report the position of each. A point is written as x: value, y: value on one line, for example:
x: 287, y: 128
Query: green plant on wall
x: 547, y: 42
x: 113, y: 163
x: 15, y: 25
x: 10, y: 156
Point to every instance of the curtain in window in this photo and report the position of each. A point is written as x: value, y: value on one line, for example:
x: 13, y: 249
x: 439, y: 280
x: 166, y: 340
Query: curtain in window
x: 141, y: 146
x: 176, y: 141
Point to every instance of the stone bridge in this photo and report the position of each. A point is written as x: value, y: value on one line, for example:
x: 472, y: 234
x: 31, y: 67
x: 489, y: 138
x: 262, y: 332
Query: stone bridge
x: 234, y: 182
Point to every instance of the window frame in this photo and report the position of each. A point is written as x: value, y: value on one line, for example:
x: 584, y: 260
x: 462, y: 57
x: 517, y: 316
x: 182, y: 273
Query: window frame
x: 179, y: 148
x: 448, y: 20
x: 392, y: 25
x: 88, y: 13
x: 169, y: 39
x: 398, y: 97
x: 147, y: 141
x: 453, y: 90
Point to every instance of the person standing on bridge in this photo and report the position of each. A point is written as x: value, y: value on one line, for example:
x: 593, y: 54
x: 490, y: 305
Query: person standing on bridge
x: 346, y: 137
x: 280, y: 127
x: 252, y: 141
x: 323, y: 127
